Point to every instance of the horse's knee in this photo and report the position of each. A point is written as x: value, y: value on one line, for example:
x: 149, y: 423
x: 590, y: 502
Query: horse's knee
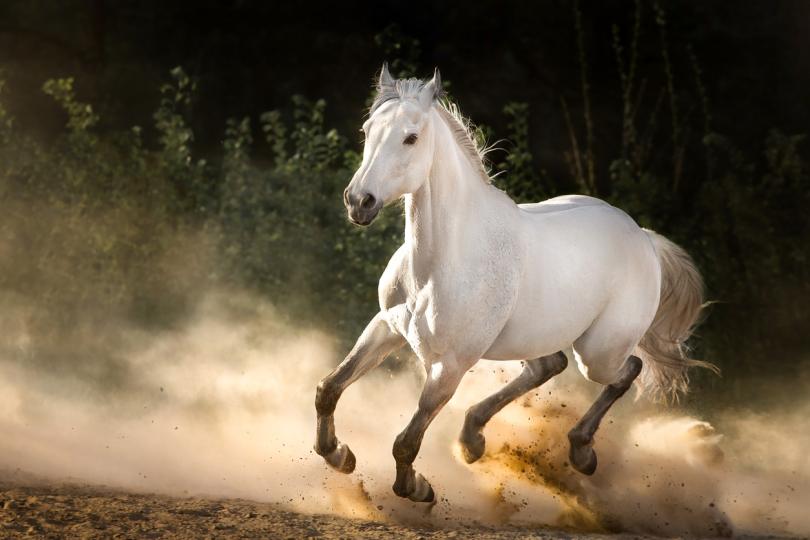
x: 326, y: 396
x: 404, y: 450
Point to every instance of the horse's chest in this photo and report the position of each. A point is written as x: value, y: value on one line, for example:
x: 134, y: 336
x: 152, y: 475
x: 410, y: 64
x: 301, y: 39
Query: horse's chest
x: 456, y: 300
x: 461, y: 317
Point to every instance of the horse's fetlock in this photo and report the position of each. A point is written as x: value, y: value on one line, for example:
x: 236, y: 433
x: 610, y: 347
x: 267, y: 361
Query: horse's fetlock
x: 577, y: 438
x: 324, y: 448
x: 325, y: 440
x: 404, y: 483
x: 473, y: 417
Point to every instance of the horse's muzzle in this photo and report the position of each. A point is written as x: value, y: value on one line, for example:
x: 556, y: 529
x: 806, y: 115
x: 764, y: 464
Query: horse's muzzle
x: 362, y: 208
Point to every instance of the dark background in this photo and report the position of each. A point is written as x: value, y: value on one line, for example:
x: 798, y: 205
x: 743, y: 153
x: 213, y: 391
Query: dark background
x: 252, y: 56
x: 716, y: 159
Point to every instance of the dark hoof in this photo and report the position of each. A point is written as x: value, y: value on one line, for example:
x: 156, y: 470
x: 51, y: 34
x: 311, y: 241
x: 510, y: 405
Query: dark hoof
x: 472, y: 446
x: 583, y: 459
x: 415, y: 488
x: 429, y: 497
x: 341, y: 459
x: 423, y: 491
x: 349, y: 463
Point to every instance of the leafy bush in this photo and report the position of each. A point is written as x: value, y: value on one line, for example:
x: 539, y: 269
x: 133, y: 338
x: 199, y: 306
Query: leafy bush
x: 743, y: 218
x: 100, y: 228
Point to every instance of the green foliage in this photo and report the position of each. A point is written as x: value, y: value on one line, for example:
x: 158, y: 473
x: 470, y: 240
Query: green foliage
x: 275, y: 133
x: 742, y: 217
x: 520, y: 178
x: 175, y: 137
x: 751, y: 237
x: 104, y: 228
x: 107, y: 227
x: 80, y: 115
x: 88, y: 235
x: 316, y: 148
x: 284, y: 229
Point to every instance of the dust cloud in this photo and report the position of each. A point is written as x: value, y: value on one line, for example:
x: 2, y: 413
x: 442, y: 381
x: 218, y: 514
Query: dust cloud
x: 222, y: 406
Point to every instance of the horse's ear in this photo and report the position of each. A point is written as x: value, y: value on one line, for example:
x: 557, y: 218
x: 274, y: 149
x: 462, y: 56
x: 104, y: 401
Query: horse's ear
x: 432, y: 90
x: 385, y: 81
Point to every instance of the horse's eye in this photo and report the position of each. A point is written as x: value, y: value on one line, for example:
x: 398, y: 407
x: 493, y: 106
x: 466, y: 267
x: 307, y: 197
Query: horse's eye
x: 410, y: 139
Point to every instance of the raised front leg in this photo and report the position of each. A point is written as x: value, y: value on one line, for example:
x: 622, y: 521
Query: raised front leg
x: 374, y: 344
x: 582, y: 456
x: 535, y: 372
x: 440, y: 386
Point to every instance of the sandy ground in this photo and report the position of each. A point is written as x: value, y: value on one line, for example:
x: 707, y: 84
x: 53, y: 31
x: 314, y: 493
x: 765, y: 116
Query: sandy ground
x: 33, y: 508
x: 77, y: 511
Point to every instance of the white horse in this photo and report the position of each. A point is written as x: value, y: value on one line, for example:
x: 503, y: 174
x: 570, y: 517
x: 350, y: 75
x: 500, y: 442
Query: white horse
x: 479, y: 276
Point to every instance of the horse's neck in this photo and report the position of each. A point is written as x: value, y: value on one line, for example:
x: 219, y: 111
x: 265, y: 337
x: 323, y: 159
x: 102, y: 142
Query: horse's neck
x: 446, y: 208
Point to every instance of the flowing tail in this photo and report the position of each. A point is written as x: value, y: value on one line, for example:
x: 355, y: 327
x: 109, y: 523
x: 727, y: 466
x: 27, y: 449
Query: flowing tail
x: 663, y: 348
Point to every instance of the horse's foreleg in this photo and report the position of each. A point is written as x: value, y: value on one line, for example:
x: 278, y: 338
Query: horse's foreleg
x: 440, y: 386
x: 582, y: 456
x: 535, y: 372
x: 374, y: 344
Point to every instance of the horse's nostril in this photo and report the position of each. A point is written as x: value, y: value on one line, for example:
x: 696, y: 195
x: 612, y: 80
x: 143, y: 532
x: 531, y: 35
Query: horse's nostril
x: 368, y: 201
x: 346, y: 196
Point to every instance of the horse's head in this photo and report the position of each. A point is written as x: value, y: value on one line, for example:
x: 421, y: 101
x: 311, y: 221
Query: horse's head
x: 398, y: 149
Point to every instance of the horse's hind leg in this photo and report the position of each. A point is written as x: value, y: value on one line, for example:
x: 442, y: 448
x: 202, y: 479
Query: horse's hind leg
x: 535, y: 372
x: 582, y: 456
x: 374, y: 344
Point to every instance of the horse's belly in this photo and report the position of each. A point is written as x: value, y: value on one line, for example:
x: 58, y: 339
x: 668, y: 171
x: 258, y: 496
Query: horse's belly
x: 540, y: 331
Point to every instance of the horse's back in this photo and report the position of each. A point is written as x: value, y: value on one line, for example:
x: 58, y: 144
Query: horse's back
x: 582, y: 230
x: 561, y: 204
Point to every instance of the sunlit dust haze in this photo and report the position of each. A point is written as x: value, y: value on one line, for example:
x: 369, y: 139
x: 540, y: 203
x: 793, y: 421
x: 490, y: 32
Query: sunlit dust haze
x: 223, y: 406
